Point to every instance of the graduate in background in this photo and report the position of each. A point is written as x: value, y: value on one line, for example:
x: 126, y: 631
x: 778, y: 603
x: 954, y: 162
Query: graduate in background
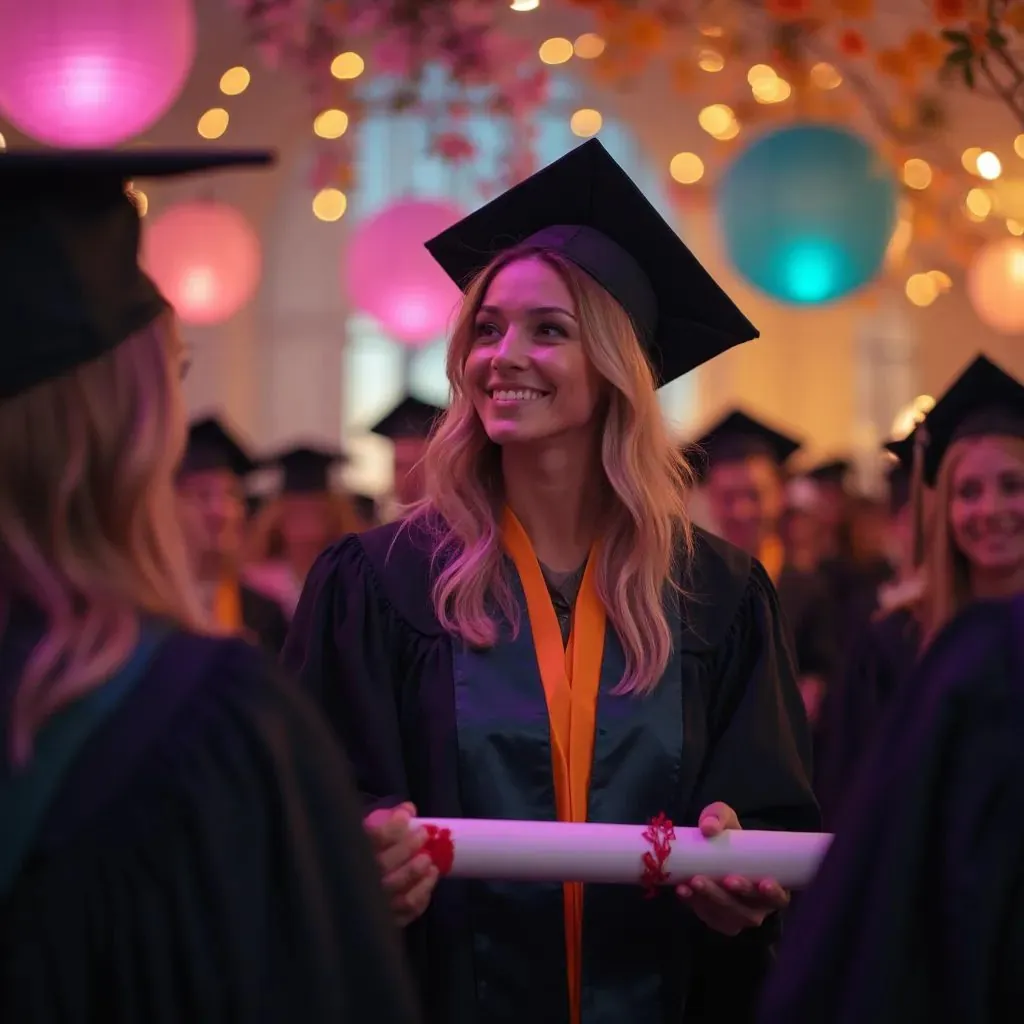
x: 742, y: 465
x: 545, y: 638
x: 832, y: 477
x: 180, y: 836
x: 293, y: 527
x: 916, y: 915
x: 408, y: 427
x: 969, y: 451
x: 211, y: 502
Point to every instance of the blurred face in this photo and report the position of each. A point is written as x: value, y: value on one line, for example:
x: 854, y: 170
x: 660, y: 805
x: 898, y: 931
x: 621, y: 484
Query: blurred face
x: 304, y: 521
x: 408, y: 454
x: 986, y: 507
x: 212, y: 508
x: 527, y: 373
x: 746, y: 499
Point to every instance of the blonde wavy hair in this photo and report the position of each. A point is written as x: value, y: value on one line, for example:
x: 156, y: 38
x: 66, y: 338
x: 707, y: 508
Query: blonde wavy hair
x: 89, y: 534
x: 646, y: 536
x: 945, y: 568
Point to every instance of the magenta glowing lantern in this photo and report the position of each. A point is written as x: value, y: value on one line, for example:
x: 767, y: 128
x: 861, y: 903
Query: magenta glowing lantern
x: 390, y: 275
x: 92, y: 73
x: 205, y: 258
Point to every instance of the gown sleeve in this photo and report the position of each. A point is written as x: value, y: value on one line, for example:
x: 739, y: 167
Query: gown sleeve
x: 227, y: 880
x: 758, y: 763
x: 916, y: 912
x: 344, y: 649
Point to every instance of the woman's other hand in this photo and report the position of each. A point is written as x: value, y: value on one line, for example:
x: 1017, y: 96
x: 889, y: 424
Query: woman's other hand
x: 734, y: 904
x: 408, y: 875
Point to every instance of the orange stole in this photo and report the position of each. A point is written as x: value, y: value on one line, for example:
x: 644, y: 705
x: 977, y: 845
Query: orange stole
x: 227, y: 606
x: 773, y: 557
x: 571, y: 678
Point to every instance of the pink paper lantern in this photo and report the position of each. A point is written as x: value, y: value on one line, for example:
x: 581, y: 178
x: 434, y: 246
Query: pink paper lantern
x: 205, y: 258
x: 995, y: 285
x: 388, y: 273
x: 92, y: 73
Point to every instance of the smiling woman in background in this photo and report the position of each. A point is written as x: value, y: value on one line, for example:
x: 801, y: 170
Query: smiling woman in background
x: 969, y: 451
x: 545, y: 637
x: 179, y: 840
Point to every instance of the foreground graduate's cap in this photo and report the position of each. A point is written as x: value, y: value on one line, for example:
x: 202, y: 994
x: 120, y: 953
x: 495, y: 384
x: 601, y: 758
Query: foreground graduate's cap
x: 213, y: 445
x: 410, y: 418
x: 71, y: 288
x: 738, y: 436
x: 833, y: 471
x: 586, y: 207
x: 983, y: 401
x: 306, y: 469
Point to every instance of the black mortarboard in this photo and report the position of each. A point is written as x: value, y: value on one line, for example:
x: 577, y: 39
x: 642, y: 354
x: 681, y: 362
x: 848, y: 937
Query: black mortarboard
x: 586, y: 207
x: 737, y: 436
x: 306, y: 469
x: 366, y: 507
x: 834, y: 471
x: 410, y: 418
x: 211, y: 445
x: 70, y: 284
x: 984, y: 400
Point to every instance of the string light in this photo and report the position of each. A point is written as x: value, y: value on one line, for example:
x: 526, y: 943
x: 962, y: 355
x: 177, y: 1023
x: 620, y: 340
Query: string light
x: 347, y: 65
x: 555, y: 50
x: 978, y: 203
x: 213, y: 124
x: 942, y: 280
x: 330, y: 204
x: 771, y: 90
x: 686, y: 168
x: 761, y: 73
x: 717, y: 119
x: 524, y: 5
x: 331, y: 124
x: 917, y: 173
x: 1018, y: 145
x: 235, y: 81
x: 589, y: 46
x: 824, y: 76
x: 922, y: 289
x: 1015, y: 227
x: 989, y: 165
x: 969, y: 158
x: 710, y: 60
x: 586, y: 122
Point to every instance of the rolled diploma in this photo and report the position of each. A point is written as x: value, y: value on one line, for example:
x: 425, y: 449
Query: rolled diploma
x: 556, y: 851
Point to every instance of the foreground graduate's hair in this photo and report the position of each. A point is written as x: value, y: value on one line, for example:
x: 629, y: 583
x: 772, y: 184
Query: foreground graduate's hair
x: 89, y: 533
x: 646, y: 531
x: 945, y: 568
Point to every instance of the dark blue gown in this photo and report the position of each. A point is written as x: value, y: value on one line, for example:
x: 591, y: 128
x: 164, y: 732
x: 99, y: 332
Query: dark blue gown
x: 466, y: 733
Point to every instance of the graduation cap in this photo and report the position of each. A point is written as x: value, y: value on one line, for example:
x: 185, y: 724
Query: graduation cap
x: 984, y: 401
x: 410, y: 418
x: 71, y: 287
x: 587, y: 208
x: 211, y: 446
x: 306, y: 469
x: 738, y: 436
x: 834, y: 471
x: 366, y: 507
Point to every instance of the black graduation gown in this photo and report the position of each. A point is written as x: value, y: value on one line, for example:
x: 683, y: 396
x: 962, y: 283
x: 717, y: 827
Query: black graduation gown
x: 425, y: 719
x: 807, y: 604
x: 203, y: 862
x: 879, y: 661
x: 264, y: 619
x: 917, y: 913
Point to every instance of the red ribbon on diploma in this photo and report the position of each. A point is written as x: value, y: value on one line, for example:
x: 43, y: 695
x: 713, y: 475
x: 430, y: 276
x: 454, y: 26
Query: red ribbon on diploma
x: 660, y: 833
x: 440, y: 848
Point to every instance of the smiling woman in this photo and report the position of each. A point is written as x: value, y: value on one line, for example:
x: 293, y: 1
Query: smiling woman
x: 545, y: 636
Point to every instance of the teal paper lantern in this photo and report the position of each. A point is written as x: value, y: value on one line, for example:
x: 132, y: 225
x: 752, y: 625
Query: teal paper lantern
x: 807, y: 213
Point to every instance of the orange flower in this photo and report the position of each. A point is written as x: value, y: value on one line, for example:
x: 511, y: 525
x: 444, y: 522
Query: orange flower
x: 852, y: 44
x: 925, y: 49
x: 948, y: 12
x: 895, y: 64
x: 854, y: 8
x: 1014, y: 17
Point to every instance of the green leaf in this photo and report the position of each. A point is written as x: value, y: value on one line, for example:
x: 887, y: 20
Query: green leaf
x: 954, y: 36
x: 968, y: 70
x: 996, y: 39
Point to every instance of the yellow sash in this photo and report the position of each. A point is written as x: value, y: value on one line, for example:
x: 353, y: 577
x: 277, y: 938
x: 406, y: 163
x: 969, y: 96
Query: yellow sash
x: 227, y: 606
x: 571, y: 678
